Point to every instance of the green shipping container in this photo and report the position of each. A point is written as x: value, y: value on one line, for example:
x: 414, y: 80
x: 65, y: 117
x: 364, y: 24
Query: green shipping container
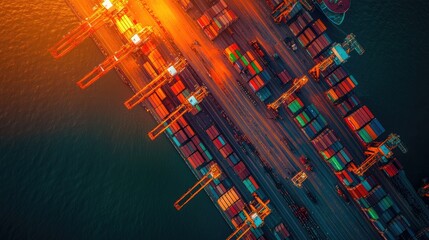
x: 335, y: 164
x: 365, y: 136
x: 373, y: 214
x: 245, y: 61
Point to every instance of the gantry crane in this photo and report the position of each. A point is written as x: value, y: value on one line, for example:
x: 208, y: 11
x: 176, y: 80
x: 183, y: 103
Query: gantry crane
x: 298, y: 83
x: 110, y: 62
x: 339, y: 54
x: 284, y: 8
x: 163, y: 78
x: 299, y: 178
x: 377, y: 152
x: 196, y: 97
x: 214, y: 173
x: 259, y: 210
x: 108, y: 9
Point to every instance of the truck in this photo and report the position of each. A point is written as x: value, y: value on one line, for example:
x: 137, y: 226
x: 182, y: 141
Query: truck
x: 290, y: 43
x: 306, y: 163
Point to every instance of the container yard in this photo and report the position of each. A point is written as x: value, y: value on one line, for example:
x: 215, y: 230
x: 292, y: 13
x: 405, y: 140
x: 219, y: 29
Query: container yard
x: 275, y: 166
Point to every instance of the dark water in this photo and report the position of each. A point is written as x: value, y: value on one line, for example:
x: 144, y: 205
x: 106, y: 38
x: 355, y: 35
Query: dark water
x: 76, y: 165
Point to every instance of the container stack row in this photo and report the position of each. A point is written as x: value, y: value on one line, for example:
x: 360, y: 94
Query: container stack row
x: 216, y: 19
x: 247, y: 63
x: 364, y: 125
x: 313, y: 30
x: 378, y: 207
x: 308, y: 119
x: 340, y: 90
x: 228, y: 202
x: 366, y: 191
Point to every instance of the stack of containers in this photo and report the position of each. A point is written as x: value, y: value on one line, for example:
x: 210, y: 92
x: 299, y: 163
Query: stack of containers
x: 250, y: 184
x: 336, y: 76
x: 306, y: 37
x: 216, y: 19
x: 347, y: 178
x: 258, y: 77
x: 263, y: 94
x: 319, y: 45
x: 359, y: 118
x: 280, y: 232
x: 341, y: 89
x: 392, y: 168
x: 318, y: 27
x: 314, y: 30
x: 370, y: 132
x: 295, y: 106
x: 300, y: 23
x: 366, y: 127
x: 340, y: 160
x: 157, y: 61
x: 243, y: 61
x: 306, y: 116
x: 399, y: 228
x: 155, y: 101
x: 284, y: 76
x: 148, y: 46
x: 348, y: 105
x: 315, y: 127
x: 327, y: 144
x: 228, y: 202
x: 124, y: 23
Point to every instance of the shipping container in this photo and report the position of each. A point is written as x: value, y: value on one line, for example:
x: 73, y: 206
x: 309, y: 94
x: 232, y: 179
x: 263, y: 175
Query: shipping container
x: 227, y: 199
x: 359, y: 118
x: 347, y: 177
x: 348, y: 105
x: 284, y: 76
x: 315, y: 127
x: 336, y: 76
x: 341, y: 89
x: 263, y: 94
x: 307, y: 115
x: 370, y: 132
x: 241, y: 170
x: 295, y: 106
x: 319, y: 45
x: 212, y: 132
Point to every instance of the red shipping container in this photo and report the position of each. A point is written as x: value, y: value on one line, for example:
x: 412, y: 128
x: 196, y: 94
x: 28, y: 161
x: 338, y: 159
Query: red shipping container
x: 226, y: 150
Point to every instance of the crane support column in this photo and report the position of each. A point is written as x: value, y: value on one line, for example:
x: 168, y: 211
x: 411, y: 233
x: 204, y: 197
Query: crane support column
x: 195, y: 98
x: 213, y: 173
x: 297, y: 84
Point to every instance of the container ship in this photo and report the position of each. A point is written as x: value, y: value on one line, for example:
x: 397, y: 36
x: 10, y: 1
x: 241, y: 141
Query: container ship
x: 335, y: 10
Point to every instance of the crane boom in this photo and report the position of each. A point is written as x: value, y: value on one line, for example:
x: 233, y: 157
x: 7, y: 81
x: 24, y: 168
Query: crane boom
x: 378, y: 152
x: 105, y: 66
x: 112, y: 61
x: 195, y: 98
x: 297, y: 84
x: 165, y: 77
x: 285, y: 8
x: 108, y: 9
x: 339, y: 54
x: 213, y: 173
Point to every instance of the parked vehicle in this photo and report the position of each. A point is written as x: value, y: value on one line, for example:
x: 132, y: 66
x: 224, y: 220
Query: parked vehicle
x: 341, y: 193
x: 291, y: 44
x: 306, y: 163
